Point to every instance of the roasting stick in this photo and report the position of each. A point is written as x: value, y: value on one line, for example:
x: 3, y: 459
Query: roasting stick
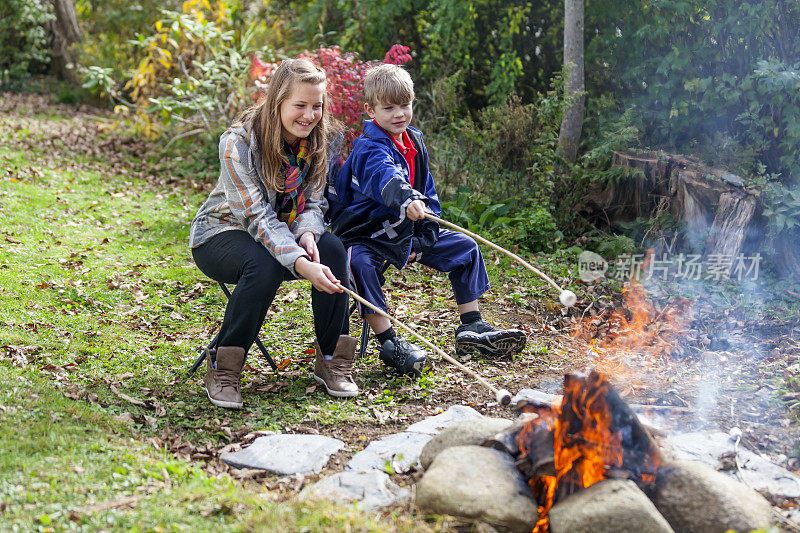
x: 566, y: 297
x: 501, y: 395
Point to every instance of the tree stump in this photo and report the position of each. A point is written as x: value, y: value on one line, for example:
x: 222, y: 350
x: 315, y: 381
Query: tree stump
x: 717, y: 211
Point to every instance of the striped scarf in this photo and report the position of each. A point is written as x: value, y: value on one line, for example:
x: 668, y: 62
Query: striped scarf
x: 295, y: 169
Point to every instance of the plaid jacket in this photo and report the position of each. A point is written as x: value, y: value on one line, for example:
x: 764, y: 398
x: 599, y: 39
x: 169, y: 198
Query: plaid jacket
x: 240, y: 201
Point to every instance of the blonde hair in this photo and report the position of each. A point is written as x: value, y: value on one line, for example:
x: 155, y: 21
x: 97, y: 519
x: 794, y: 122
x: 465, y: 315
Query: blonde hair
x: 388, y: 84
x: 265, y: 122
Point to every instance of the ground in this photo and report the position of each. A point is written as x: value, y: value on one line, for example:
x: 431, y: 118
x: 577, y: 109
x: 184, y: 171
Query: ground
x: 104, y: 313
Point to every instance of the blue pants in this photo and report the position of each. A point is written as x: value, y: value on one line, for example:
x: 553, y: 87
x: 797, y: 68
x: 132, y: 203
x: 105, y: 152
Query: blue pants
x: 454, y: 253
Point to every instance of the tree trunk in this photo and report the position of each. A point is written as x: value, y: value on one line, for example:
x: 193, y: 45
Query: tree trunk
x: 571, y: 123
x: 64, y: 32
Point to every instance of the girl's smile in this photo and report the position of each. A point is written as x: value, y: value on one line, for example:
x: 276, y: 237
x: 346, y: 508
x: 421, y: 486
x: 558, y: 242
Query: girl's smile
x: 301, y: 111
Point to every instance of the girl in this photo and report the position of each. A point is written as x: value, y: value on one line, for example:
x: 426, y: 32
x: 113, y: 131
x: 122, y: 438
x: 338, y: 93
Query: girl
x: 262, y: 224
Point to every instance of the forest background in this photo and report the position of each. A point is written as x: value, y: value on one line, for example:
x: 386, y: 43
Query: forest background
x: 103, y: 310
x: 714, y: 79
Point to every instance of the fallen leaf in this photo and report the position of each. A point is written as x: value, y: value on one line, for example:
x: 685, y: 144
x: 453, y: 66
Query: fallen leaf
x: 151, y: 422
x: 125, y: 418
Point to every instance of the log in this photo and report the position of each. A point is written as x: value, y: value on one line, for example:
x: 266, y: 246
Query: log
x: 731, y: 224
x: 641, y: 455
x: 634, y: 195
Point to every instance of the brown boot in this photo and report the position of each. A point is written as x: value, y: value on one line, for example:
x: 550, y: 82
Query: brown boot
x: 335, y: 373
x: 222, y: 383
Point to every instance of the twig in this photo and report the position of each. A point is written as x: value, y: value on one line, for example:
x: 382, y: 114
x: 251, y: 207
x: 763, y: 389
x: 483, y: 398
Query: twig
x: 791, y: 524
x: 125, y: 397
x: 182, y: 135
x: 105, y: 506
x: 500, y: 249
x: 787, y: 521
x: 481, y: 380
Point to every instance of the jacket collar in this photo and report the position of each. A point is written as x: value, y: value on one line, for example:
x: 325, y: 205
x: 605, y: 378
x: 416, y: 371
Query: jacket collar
x: 373, y: 131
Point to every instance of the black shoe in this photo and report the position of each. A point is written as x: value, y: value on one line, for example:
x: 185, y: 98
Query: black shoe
x: 480, y: 337
x: 405, y: 357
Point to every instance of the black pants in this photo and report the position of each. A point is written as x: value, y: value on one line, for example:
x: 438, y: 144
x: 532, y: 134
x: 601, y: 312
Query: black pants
x: 235, y: 257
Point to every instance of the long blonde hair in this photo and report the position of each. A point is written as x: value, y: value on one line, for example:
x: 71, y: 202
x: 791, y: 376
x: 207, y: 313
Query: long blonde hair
x: 265, y: 122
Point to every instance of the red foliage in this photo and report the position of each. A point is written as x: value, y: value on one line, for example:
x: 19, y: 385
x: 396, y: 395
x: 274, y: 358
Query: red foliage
x: 345, y: 73
x: 398, y: 55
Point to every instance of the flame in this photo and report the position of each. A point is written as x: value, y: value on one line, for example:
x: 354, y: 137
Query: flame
x: 586, y: 443
x: 637, y: 339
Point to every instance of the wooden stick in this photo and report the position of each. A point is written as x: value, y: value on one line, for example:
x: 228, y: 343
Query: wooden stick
x: 500, y: 249
x: 502, y: 395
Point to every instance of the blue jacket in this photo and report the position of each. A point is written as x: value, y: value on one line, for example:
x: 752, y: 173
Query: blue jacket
x: 370, y: 193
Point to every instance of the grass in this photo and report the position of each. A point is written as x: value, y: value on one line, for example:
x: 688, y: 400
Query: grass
x: 101, y: 302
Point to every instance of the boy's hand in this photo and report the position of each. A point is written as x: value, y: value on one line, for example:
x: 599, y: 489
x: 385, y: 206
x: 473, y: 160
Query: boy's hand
x: 416, y: 210
x: 309, y: 244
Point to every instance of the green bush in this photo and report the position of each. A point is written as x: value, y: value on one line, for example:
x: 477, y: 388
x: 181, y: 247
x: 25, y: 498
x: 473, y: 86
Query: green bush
x: 192, y: 72
x: 110, y: 26
x: 705, y: 77
x: 532, y: 228
x: 782, y: 210
x: 23, y: 40
x: 612, y: 246
x: 507, y: 155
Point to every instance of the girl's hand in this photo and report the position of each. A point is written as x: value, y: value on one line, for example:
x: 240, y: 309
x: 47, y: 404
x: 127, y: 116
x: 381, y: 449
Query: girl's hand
x: 319, y: 275
x: 309, y: 244
x: 416, y: 210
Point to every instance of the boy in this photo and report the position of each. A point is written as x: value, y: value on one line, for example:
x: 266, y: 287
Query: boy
x: 378, y: 206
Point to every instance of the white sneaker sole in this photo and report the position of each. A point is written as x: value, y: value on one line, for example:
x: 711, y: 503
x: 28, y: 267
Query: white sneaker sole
x: 221, y: 403
x: 498, y: 344
x: 335, y: 393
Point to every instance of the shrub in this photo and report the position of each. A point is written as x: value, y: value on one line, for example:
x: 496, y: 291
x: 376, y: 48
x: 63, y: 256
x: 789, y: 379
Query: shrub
x: 508, y: 152
x: 23, y: 40
x: 726, y: 79
x: 192, y: 74
x: 345, y: 73
x: 532, y: 227
x: 109, y: 26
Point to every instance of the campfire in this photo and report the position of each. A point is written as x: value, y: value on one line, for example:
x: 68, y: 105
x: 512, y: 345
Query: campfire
x: 637, y: 339
x: 590, y: 436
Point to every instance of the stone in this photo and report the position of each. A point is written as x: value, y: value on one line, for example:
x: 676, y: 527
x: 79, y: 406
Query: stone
x: 464, y: 433
x: 478, y: 483
x: 608, y: 506
x: 434, y: 424
x: 286, y: 454
x: 695, y: 498
x: 394, y: 453
x: 761, y: 474
x: 370, y: 490
x: 534, y: 396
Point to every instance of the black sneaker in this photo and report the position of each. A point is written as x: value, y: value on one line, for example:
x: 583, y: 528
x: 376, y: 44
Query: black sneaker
x: 405, y: 357
x: 480, y: 337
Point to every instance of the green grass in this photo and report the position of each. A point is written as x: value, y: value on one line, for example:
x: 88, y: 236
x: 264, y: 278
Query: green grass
x: 99, y: 294
x: 98, y: 291
x: 68, y: 466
